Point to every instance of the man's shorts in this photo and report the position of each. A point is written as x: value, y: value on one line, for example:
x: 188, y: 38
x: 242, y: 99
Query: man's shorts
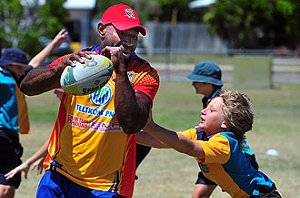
x: 55, y: 185
x: 141, y: 152
x: 10, y: 157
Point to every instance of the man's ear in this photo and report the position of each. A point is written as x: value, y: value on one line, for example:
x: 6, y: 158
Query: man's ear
x: 101, y: 29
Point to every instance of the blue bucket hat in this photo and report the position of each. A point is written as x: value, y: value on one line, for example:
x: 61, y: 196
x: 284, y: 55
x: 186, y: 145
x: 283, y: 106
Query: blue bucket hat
x: 13, y: 55
x: 207, y: 72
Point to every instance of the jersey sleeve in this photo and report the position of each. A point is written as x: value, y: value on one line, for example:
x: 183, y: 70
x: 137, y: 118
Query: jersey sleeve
x: 149, y: 84
x: 58, y: 60
x: 189, y: 133
x: 216, y: 149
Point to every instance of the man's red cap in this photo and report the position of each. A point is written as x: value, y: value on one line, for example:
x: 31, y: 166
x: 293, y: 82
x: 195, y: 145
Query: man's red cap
x: 123, y: 18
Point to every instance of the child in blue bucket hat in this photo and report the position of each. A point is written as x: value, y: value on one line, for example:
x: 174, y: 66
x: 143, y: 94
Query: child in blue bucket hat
x: 14, y: 66
x: 206, y: 72
x: 14, y: 61
x: 15, y: 117
x: 207, y: 80
x: 13, y: 55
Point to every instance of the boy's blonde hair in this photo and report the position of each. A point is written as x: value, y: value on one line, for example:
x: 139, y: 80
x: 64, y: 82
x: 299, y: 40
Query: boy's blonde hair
x: 237, y: 112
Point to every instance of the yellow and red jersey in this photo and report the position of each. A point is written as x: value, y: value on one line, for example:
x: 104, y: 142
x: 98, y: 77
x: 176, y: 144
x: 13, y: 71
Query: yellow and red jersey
x: 87, y: 140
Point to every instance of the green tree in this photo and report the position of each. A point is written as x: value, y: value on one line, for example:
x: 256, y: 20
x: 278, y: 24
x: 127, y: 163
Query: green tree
x: 248, y: 24
x: 23, y: 25
x: 178, y: 9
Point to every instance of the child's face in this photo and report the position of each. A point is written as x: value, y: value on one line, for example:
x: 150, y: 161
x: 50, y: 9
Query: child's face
x: 203, y: 88
x: 212, y: 117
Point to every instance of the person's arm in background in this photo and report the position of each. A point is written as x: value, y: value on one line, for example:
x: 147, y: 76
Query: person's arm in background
x: 38, y: 59
x: 19, y: 71
x: 36, y: 160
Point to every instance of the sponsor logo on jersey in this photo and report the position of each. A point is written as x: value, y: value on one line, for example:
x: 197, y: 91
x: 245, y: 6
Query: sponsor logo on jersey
x: 105, y: 127
x: 102, y: 96
x: 77, y: 122
x: 94, y: 111
x: 81, y: 123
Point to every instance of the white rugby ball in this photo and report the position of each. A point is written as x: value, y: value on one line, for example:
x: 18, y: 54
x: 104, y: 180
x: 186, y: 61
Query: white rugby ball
x: 88, y: 77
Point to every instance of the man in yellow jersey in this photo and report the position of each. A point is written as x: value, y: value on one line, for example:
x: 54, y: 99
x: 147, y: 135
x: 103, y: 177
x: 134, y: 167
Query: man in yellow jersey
x: 92, y: 146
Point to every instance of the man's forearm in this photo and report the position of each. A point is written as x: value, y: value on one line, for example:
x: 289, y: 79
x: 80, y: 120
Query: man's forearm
x: 40, y: 80
x: 132, y: 108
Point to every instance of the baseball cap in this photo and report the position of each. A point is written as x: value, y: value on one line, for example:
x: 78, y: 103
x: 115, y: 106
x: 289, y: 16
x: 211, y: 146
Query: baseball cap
x: 13, y: 55
x: 123, y: 18
x: 207, y: 72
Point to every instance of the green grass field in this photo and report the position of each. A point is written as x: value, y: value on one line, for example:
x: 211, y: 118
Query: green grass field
x: 166, y: 173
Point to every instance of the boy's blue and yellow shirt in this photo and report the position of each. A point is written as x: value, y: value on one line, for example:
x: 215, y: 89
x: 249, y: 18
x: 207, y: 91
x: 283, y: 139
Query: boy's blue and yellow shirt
x: 226, y: 165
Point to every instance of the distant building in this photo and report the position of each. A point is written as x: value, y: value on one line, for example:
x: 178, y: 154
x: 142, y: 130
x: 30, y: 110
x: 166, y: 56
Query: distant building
x: 201, y: 3
x: 79, y: 21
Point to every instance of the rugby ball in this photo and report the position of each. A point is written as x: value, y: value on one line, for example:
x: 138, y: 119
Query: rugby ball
x: 88, y: 77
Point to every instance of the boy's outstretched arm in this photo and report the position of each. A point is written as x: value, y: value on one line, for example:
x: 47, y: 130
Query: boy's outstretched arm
x: 175, y: 140
x: 147, y: 140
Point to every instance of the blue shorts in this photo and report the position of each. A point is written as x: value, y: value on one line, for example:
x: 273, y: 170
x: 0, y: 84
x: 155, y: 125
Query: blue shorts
x: 54, y: 184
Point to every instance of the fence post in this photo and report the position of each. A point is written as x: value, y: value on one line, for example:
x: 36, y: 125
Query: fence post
x: 252, y: 72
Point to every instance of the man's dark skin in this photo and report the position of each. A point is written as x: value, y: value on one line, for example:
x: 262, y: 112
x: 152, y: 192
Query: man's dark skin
x: 132, y: 107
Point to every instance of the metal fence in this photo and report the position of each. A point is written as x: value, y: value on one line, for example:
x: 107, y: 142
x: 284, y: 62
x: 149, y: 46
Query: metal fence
x: 193, y: 38
x: 282, y: 70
